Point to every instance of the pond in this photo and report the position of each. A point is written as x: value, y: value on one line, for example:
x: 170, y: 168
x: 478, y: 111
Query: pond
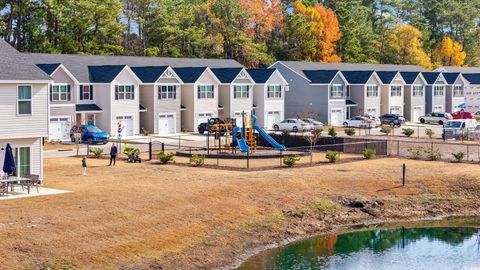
x: 445, y: 247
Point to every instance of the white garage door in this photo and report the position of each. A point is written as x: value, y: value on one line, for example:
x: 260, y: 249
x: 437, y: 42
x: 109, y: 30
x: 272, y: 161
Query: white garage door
x: 166, y: 124
x: 203, y: 117
x: 272, y: 118
x: 395, y: 110
x: 59, y: 128
x: 239, y: 119
x: 126, y: 124
x: 417, y: 112
x: 336, y: 117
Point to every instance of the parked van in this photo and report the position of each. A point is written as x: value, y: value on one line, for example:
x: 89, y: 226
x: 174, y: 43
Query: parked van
x: 459, y: 128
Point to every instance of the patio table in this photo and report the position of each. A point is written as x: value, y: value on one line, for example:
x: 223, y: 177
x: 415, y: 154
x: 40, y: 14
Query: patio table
x: 15, y: 179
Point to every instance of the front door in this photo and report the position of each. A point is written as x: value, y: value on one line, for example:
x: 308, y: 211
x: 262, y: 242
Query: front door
x: 166, y: 124
x: 272, y: 119
x: 417, y: 112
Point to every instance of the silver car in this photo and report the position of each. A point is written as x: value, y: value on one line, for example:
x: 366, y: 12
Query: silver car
x: 435, y: 118
x: 313, y: 123
x: 294, y: 125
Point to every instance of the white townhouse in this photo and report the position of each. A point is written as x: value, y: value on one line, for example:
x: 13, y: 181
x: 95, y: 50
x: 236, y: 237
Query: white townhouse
x: 392, y: 96
x: 199, y: 96
x: 454, y: 91
x: 23, y: 110
x: 234, y: 92
x: 472, y: 92
x: 364, y: 90
x: 435, y: 96
x: 268, y: 96
x: 414, y: 95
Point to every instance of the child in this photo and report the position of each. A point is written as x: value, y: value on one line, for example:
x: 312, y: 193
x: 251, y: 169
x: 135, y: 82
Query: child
x: 84, y: 166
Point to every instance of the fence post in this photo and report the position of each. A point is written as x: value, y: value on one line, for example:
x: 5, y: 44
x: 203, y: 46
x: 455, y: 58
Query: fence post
x: 280, y: 158
x: 398, y: 148
x: 468, y: 152
x: 404, y: 172
x: 418, y: 132
x: 248, y: 159
x: 431, y: 147
x: 150, y: 150
x: 179, y: 142
x: 163, y: 147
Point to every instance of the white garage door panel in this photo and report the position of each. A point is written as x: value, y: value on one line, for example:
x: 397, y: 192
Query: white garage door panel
x: 272, y: 118
x: 417, y: 112
x: 336, y: 117
x: 203, y: 117
x: 127, y: 123
x: 59, y: 128
x: 166, y: 124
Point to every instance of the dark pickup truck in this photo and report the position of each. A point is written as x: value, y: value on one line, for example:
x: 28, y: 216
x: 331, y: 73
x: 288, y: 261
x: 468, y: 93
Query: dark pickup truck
x: 213, y: 121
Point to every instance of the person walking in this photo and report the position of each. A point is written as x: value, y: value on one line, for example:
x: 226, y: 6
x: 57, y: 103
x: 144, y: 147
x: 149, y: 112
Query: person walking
x: 113, y: 155
x: 84, y: 166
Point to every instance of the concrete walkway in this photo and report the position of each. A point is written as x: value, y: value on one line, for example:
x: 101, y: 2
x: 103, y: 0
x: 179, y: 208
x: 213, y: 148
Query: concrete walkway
x: 18, y: 193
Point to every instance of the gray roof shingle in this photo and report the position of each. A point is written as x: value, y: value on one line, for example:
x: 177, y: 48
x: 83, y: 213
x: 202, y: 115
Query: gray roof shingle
x: 15, y: 66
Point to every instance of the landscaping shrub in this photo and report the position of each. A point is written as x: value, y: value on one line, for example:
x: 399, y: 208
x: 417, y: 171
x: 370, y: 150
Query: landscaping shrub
x: 433, y: 154
x: 386, y: 129
x: 408, y: 132
x: 429, y: 132
x: 458, y: 156
x: 197, y: 160
x: 97, y: 152
x: 285, y: 132
x: 166, y: 157
x: 416, y: 152
x: 332, y: 156
x: 131, y: 151
x: 369, y: 153
x: 332, y: 132
x: 349, y: 131
x: 290, y: 160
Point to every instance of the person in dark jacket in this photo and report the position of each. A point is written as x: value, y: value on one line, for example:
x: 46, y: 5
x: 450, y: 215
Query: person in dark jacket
x: 113, y: 154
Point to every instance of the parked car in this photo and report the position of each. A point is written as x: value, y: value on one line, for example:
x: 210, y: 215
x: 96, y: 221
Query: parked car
x: 291, y: 124
x: 462, y: 115
x: 459, y: 128
x: 359, y: 122
x: 393, y: 120
x: 477, y: 115
x: 202, y: 127
x: 314, y: 124
x: 435, y: 118
x: 375, y: 119
x: 89, y: 133
x: 475, y: 133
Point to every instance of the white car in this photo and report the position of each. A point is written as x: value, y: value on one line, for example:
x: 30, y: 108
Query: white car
x: 313, y: 123
x: 294, y: 125
x: 359, y: 122
x: 374, y: 119
x: 435, y: 118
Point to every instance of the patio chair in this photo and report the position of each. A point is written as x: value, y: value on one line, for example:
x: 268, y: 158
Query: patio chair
x: 34, y: 181
x: 3, y: 185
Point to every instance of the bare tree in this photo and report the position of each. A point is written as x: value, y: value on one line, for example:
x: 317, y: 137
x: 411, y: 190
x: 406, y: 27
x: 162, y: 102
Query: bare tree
x: 313, y: 138
x: 307, y: 114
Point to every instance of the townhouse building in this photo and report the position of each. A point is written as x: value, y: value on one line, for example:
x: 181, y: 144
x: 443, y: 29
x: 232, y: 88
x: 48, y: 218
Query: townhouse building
x: 435, y: 100
x: 392, y: 92
x: 414, y: 95
x: 454, y: 91
x: 364, y: 90
x: 23, y: 110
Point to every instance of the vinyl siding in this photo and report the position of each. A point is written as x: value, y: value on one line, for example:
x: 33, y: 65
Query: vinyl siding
x: 205, y: 105
x: 35, y: 144
x: 264, y: 104
x: 224, y: 98
x: 188, y: 100
x: 168, y: 106
x: 450, y: 100
x: 61, y: 77
x: 387, y: 101
x: 147, y: 99
x: 104, y: 98
x: 125, y: 107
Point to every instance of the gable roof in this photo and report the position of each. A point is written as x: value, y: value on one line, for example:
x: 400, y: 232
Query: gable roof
x: 431, y: 77
x: 261, y: 75
x: 410, y: 76
x: 226, y: 75
x: 104, y: 74
x: 458, y: 69
x: 149, y: 74
x: 473, y: 78
x: 357, y: 76
x: 189, y: 74
x: 320, y: 76
x: 451, y: 77
x: 387, y: 76
x: 48, y: 68
x: 78, y: 64
x: 15, y: 66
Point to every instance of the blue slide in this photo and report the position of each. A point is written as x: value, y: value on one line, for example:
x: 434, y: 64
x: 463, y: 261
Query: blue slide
x: 267, y: 137
x: 238, y: 135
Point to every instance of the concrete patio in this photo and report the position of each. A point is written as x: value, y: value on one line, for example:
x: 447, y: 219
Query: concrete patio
x: 18, y: 193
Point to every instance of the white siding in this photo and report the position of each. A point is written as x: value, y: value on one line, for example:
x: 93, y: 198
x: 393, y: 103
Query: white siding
x: 125, y: 107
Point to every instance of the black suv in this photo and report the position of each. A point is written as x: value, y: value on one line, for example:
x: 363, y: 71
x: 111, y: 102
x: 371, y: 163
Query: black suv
x: 393, y: 120
x: 212, y: 121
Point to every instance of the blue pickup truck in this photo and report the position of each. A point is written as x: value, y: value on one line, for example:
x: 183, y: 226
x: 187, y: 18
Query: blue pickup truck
x: 90, y: 134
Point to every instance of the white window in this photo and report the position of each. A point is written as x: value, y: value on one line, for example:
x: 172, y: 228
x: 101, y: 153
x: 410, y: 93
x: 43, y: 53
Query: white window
x: 438, y: 90
x: 60, y: 92
x: 438, y: 108
x: 336, y: 91
x: 167, y: 92
x: 395, y: 90
x: 458, y: 91
x: 372, y: 90
x: 241, y: 91
x: 124, y: 92
x: 86, y: 92
x: 205, y: 92
x: 418, y: 90
x: 24, y: 100
x: 274, y: 91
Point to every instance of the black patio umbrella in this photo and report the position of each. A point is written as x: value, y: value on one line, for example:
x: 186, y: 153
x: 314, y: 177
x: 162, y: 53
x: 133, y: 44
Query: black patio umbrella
x: 9, y: 162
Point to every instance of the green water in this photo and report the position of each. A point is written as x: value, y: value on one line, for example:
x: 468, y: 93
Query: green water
x: 403, y: 248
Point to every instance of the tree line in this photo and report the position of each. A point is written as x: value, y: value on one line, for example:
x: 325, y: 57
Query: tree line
x: 429, y: 33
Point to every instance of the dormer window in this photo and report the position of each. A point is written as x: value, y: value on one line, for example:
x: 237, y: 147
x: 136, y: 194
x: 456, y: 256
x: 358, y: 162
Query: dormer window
x: 60, y: 92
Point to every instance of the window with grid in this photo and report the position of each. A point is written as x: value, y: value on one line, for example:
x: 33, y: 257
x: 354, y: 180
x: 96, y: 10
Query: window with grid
x: 167, y: 92
x: 336, y: 91
x: 418, y: 90
x: 24, y: 99
x: 458, y: 91
x: 205, y: 92
x: 274, y: 91
x: 438, y: 90
x: 396, y: 90
x: 372, y: 91
x: 124, y: 92
x: 86, y: 92
x: 240, y: 91
x: 60, y: 92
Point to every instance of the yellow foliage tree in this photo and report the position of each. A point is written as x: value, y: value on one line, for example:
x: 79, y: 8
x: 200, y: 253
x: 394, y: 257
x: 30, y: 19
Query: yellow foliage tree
x: 325, y: 27
x: 448, y: 53
x: 264, y: 16
x: 404, y: 46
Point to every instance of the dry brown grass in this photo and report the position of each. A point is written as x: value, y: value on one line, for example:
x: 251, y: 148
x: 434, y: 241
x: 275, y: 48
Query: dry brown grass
x: 185, y: 217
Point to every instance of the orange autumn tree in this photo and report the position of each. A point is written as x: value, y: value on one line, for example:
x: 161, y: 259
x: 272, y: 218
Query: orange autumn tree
x: 325, y: 27
x: 448, y: 53
x: 264, y: 16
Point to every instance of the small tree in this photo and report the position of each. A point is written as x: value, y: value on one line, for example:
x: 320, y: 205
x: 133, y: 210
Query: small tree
x: 369, y: 153
x: 166, y: 157
x: 458, y: 156
x: 386, y: 129
x: 433, y: 154
x: 313, y: 138
x: 290, y: 160
x: 416, y: 152
x: 332, y: 156
x: 408, y: 132
x: 332, y: 132
x: 429, y: 132
x: 349, y: 131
